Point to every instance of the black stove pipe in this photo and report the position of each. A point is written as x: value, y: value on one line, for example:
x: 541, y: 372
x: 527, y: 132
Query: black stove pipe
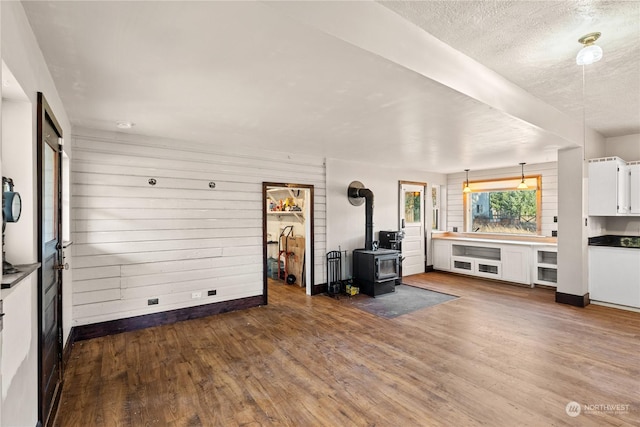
x: 368, y: 210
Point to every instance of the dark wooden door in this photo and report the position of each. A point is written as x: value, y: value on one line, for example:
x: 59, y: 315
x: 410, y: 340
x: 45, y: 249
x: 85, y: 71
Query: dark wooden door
x: 50, y: 251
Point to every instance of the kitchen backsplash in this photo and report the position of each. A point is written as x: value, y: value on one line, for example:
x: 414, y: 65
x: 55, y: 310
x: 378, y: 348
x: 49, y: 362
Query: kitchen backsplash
x: 623, y: 226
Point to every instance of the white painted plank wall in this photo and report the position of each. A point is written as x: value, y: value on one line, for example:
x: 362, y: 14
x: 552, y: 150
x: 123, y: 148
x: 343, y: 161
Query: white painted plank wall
x: 134, y: 241
x: 549, y: 172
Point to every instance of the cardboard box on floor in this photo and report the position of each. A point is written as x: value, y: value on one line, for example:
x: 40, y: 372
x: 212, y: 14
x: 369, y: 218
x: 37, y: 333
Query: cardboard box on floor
x: 295, y: 246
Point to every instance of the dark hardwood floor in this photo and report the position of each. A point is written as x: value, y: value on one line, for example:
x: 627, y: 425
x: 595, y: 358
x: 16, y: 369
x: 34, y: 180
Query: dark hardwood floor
x: 501, y: 355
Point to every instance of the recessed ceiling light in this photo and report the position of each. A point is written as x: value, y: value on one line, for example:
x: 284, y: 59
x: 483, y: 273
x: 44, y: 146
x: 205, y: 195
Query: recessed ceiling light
x: 124, y: 125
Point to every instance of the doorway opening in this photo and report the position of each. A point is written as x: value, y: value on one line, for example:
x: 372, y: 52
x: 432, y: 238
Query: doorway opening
x: 288, y: 235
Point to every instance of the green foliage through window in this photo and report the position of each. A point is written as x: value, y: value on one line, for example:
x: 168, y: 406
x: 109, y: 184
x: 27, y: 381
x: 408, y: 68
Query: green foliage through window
x: 513, y: 211
x: 412, y: 206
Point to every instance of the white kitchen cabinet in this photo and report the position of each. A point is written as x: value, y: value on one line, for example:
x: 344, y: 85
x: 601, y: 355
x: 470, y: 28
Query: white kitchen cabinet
x: 516, y: 264
x: 614, y: 275
x: 481, y: 260
x: 441, y: 255
x: 634, y: 187
x: 511, y: 261
x: 477, y: 267
x: 545, y: 266
x: 608, y: 187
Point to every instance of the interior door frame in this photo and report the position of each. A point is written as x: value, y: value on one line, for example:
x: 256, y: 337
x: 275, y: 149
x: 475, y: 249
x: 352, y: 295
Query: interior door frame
x: 44, y: 113
x: 424, y: 186
x: 311, y: 263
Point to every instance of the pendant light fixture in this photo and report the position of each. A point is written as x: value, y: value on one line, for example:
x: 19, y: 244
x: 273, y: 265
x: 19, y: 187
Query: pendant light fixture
x: 523, y: 185
x: 590, y: 53
x: 466, y: 188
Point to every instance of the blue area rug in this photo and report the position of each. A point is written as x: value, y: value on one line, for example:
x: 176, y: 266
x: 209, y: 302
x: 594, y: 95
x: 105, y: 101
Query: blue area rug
x: 404, y: 300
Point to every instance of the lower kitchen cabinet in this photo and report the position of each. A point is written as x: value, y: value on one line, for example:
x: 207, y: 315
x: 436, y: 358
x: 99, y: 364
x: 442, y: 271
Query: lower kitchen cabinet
x: 441, y: 254
x: 614, y: 275
x: 516, y: 264
x: 481, y: 260
x: 545, y: 266
x: 477, y: 267
x: 512, y: 262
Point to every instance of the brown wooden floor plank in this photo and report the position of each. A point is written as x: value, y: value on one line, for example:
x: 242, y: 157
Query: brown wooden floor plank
x: 500, y: 355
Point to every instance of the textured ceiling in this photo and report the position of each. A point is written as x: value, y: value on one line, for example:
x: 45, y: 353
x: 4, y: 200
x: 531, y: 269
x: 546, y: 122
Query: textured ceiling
x: 321, y: 78
x: 534, y: 44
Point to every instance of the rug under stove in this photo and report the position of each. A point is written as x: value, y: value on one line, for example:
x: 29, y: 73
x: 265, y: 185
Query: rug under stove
x: 405, y: 299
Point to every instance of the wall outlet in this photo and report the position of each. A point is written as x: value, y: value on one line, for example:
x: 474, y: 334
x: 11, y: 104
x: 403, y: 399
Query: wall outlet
x: 212, y: 292
x: 152, y: 301
x: 555, y: 219
x: 195, y: 295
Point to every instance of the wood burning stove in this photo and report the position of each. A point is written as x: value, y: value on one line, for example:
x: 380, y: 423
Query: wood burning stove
x: 376, y: 272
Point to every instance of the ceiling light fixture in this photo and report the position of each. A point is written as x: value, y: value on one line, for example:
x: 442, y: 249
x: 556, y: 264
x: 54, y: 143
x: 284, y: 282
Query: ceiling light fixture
x: 590, y: 53
x: 466, y: 188
x: 124, y: 124
x: 523, y: 185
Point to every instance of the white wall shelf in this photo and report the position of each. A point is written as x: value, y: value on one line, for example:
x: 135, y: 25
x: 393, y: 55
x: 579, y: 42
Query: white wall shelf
x: 296, y: 214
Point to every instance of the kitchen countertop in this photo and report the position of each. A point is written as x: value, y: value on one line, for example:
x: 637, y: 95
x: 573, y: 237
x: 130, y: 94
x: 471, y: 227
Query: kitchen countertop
x: 10, y: 280
x: 613, y: 241
x: 497, y: 239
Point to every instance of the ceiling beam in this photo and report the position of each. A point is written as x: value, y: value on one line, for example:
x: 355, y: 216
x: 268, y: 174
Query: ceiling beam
x: 376, y: 29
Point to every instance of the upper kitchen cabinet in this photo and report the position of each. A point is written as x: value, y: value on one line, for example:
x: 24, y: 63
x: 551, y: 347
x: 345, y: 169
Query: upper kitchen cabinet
x: 634, y: 185
x: 608, y: 187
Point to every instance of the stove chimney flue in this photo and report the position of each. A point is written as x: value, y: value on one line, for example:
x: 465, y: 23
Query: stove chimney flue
x: 357, y: 195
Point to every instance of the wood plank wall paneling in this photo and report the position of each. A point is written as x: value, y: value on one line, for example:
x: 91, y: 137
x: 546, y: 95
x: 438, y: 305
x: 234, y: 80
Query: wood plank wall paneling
x: 134, y: 241
x: 549, y: 172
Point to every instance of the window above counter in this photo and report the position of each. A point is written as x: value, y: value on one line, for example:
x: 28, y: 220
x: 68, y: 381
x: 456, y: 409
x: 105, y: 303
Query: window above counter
x: 497, y: 206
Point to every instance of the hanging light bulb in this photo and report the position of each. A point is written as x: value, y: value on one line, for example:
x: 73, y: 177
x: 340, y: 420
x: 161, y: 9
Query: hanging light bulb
x: 590, y: 53
x: 466, y: 188
x: 523, y: 185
